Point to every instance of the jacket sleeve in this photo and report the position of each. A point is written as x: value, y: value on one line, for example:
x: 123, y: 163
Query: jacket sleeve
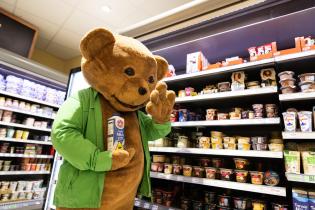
x: 70, y: 143
x: 154, y: 130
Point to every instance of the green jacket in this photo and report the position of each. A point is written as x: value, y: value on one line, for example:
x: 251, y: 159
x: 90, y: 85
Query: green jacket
x: 77, y: 135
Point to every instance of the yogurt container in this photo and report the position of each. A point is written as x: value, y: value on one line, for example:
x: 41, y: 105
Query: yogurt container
x: 289, y: 119
x: 305, y: 119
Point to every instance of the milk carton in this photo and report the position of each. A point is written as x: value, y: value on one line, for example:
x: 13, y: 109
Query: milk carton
x: 115, y: 132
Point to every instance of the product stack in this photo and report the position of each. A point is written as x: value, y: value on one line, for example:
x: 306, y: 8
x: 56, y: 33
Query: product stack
x: 21, y: 190
x: 26, y: 88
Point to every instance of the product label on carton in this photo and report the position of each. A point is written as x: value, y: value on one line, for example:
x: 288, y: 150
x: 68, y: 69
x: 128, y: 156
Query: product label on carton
x: 300, y: 200
x: 116, y: 133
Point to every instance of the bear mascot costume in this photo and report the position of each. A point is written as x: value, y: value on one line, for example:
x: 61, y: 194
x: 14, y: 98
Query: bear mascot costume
x: 124, y: 77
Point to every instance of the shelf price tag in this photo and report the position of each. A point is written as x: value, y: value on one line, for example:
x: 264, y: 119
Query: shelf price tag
x: 137, y: 203
x: 195, y: 180
x: 154, y: 207
x: 146, y: 205
x: 311, y: 178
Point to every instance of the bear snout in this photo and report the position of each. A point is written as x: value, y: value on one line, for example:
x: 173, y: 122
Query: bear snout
x: 142, y: 91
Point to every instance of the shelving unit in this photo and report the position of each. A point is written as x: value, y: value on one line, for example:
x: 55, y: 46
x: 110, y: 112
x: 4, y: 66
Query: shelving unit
x: 220, y: 152
x: 25, y: 112
x: 264, y: 121
x: 270, y: 190
x: 297, y: 96
x: 301, y: 178
x: 16, y: 125
x: 24, y: 204
x: 26, y: 156
x: 29, y: 141
x: 148, y: 205
x: 228, y: 69
x: 20, y: 97
x: 228, y: 95
x: 298, y: 135
x: 8, y: 173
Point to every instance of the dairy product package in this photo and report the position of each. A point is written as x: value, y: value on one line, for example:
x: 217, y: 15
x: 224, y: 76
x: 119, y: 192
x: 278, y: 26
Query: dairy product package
x: 196, y: 62
x: 308, y: 159
x: 115, y: 133
x: 300, y: 199
x: 292, y: 161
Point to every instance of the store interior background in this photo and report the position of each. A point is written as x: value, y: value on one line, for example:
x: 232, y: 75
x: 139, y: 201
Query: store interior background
x: 62, y: 24
x: 163, y: 26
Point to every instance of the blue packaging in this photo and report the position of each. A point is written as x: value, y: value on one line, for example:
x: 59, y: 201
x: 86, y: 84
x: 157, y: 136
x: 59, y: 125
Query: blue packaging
x: 300, y: 199
x: 311, y: 200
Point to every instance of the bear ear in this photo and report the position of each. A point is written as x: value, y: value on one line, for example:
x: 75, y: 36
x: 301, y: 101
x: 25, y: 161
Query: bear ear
x: 93, y: 42
x: 162, y: 66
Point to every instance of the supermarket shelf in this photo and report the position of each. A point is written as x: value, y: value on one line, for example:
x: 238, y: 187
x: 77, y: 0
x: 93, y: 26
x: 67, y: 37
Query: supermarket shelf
x: 28, y: 99
x: 26, y: 141
x: 264, y: 121
x: 24, y: 112
x: 296, y: 96
x: 229, y: 94
x: 227, y: 69
x: 295, y: 56
x: 298, y: 135
x: 223, y: 152
x: 24, y: 126
x: 26, y: 156
x: 148, y: 205
x: 264, y: 189
x: 6, y: 173
x: 24, y: 204
x: 301, y: 178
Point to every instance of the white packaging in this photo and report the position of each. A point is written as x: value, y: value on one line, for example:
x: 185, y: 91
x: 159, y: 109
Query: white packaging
x: 289, y: 119
x: 116, y: 133
x: 305, y: 119
x: 196, y: 62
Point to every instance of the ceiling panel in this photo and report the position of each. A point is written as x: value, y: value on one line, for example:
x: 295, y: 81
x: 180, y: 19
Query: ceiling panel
x: 80, y: 23
x: 46, y: 29
x: 118, y: 13
x: 42, y: 43
x: 55, y: 11
x: 61, y: 51
x: 9, y: 1
x: 156, y: 7
x: 131, y: 18
x: 68, y: 39
x: 6, y: 6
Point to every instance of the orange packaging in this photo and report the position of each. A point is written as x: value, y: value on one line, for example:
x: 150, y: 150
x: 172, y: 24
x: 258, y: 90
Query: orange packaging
x: 298, y: 48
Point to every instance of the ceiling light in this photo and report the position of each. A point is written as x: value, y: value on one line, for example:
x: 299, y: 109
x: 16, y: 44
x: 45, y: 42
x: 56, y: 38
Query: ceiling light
x: 106, y: 8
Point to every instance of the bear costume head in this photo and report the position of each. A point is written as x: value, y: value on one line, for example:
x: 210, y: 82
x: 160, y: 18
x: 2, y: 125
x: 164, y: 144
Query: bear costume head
x: 122, y: 69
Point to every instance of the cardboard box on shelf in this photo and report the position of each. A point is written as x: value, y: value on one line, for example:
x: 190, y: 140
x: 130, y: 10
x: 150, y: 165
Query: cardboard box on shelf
x: 307, y: 43
x: 196, y: 62
x: 233, y: 62
x: 214, y: 66
x: 297, y: 48
x: 263, y: 52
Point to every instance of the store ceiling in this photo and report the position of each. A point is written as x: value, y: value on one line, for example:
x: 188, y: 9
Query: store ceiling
x: 62, y: 23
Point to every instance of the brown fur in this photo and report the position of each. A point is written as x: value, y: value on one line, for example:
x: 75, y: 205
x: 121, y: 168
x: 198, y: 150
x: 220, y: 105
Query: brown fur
x: 105, y: 58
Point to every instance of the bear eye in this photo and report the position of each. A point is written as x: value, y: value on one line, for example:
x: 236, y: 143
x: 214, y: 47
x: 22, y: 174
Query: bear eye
x: 151, y: 79
x: 129, y: 71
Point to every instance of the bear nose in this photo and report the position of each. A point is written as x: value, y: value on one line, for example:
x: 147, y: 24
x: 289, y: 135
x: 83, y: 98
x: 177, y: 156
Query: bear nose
x: 142, y: 91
